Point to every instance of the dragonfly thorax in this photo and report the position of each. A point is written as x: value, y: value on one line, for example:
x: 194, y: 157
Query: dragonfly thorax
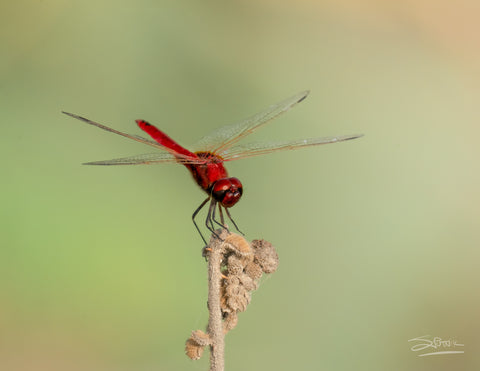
x: 227, y: 191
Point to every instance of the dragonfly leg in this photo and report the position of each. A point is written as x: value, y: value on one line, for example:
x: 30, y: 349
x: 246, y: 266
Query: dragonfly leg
x: 233, y: 221
x: 221, y: 223
x: 210, y: 218
x: 195, y: 214
x: 221, y: 214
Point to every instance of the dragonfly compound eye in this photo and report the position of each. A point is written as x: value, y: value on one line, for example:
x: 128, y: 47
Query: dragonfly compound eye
x: 227, y: 191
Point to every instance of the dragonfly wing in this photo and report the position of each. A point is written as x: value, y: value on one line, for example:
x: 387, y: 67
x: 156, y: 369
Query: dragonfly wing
x: 256, y: 149
x: 106, y: 128
x: 146, y: 159
x: 146, y: 141
x: 222, y: 138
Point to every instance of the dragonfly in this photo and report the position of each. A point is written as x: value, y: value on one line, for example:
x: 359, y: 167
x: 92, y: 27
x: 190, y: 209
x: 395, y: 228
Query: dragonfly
x: 205, y: 159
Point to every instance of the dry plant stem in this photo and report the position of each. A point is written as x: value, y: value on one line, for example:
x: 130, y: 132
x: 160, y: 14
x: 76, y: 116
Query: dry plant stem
x: 215, y: 324
x: 235, y: 267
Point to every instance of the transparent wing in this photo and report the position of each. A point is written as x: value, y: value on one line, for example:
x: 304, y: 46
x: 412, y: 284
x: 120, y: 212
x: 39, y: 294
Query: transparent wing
x: 145, y: 159
x: 137, y: 138
x: 256, y: 149
x: 223, y: 138
x: 181, y: 157
x: 148, y: 158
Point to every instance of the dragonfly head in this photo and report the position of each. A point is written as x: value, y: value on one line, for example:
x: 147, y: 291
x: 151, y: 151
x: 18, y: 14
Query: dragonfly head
x: 227, y: 191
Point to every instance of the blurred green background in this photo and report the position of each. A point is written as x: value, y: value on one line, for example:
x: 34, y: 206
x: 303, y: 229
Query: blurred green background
x: 100, y: 267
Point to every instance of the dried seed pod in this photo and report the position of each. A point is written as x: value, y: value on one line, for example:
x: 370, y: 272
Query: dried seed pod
x: 253, y: 270
x: 238, y: 244
x: 234, y: 290
x: 231, y: 280
x: 223, y: 301
x: 247, y: 282
x: 265, y: 255
x: 240, y: 301
x: 234, y: 265
x: 193, y: 350
x: 230, y: 321
x: 201, y: 338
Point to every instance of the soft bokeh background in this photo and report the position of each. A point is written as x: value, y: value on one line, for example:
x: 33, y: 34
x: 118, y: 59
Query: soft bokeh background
x: 100, y: 268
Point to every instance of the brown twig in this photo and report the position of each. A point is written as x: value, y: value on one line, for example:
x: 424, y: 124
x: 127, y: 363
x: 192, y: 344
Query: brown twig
x: 215, y: 324
x: 234, y: 269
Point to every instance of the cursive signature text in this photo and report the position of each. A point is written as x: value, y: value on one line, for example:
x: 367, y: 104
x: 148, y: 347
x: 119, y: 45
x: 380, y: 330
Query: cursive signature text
x: 436, y: 343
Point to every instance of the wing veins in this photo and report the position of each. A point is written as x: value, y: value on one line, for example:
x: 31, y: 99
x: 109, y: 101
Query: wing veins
x: 261, y: 148
x: 136, y: 138
x: 146, y: 159
x: 219, y: 140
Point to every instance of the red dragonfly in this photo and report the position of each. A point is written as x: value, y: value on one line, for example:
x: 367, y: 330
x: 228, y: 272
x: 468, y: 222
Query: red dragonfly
x: 205, y: 161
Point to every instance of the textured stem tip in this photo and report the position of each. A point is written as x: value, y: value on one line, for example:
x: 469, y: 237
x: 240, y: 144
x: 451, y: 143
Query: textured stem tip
x: 235, y: 267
